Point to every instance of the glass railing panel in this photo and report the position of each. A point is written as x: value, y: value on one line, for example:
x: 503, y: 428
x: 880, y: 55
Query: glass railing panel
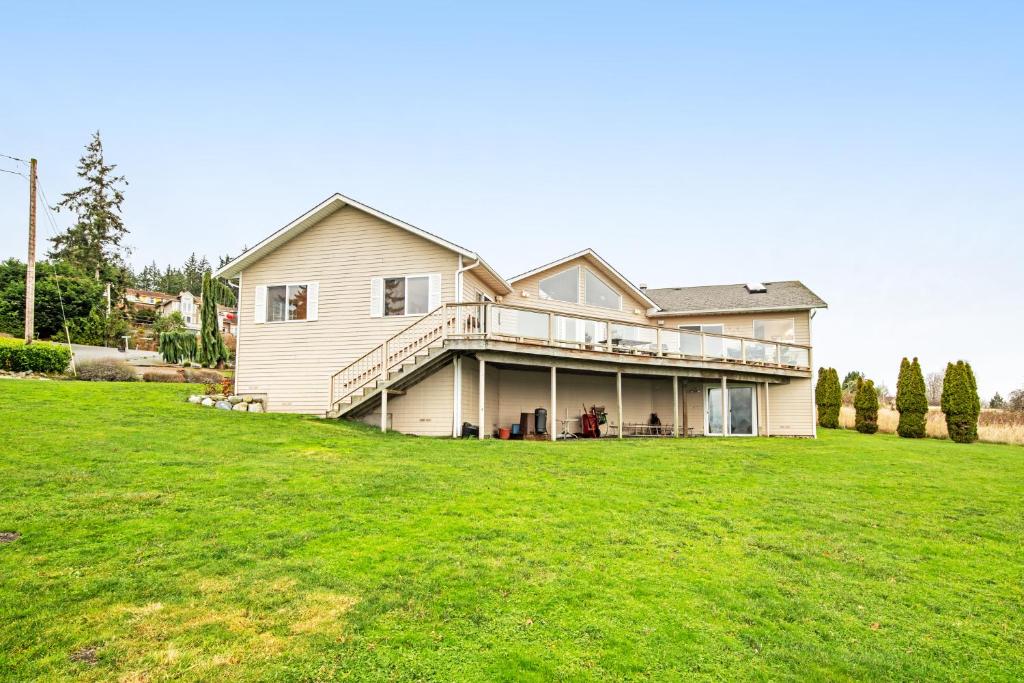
x: 689, y: 343
x: 511, y: 322
x: 713, y: 346
x: 586, y: 333
x: 671, y: 342
x: 733, y: 348
x: 633, y: 338
x: 793, y: 355
x: 759, y: 352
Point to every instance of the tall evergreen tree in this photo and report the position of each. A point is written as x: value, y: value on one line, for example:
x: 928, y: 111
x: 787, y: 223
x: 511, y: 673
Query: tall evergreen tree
x: 829, y: 397
x: 997, y: 402
x: 911, y: 400
x: 212, y: 350
x: 93, y: 243
x: 865, y: 403
x: 960, y: 403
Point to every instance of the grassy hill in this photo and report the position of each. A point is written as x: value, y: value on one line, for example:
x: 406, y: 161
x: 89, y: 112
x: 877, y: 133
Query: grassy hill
x: 161, y: 540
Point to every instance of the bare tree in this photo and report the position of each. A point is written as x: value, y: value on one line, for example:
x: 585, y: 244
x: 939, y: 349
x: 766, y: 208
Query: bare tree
x: 934, y: 383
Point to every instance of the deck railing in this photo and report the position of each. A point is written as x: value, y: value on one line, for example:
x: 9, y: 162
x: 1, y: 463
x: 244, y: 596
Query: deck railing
x: 527, y: 325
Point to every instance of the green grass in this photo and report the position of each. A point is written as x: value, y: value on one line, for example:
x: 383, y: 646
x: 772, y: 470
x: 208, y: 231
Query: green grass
x: 190, y: 544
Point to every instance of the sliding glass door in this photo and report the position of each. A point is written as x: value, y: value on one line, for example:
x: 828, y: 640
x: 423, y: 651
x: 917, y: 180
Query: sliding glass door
x: 741, y: 409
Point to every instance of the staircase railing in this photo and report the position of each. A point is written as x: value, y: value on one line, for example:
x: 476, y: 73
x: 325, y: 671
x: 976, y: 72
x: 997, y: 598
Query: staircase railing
x: 430, y: 330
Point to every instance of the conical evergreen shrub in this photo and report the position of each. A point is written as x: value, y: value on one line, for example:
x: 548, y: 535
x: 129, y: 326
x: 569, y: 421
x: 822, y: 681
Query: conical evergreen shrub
x: 828, y: 395
x: 960, y: 402
x: 911, y: 400
x: 865, y: 403
x: 212, y: 350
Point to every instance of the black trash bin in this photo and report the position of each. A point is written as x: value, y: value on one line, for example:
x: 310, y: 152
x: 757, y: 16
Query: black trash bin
x: 470, y: 431
x: 540, y: 420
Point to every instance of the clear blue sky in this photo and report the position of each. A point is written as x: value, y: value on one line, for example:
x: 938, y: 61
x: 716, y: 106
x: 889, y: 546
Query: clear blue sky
x: 873, y: 150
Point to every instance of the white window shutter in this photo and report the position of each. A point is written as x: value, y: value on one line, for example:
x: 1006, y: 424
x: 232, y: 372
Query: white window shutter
x: 261, y: 304
x: 312, y: 301
x: 435, y: 291
x: 376, y: 297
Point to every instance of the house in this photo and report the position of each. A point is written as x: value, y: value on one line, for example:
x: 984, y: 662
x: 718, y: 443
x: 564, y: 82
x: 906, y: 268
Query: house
x: 190, y: 306
x: 145, y: 298
x: 349, y: 312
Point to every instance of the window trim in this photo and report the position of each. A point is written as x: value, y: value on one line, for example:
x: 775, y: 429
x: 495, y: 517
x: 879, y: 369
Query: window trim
x: 383, y: 289
x: 543, y: 297
x: 601, y: 280
x: 286, y: 285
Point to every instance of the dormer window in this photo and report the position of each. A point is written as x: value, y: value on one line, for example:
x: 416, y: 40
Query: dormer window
x: 562, y: 287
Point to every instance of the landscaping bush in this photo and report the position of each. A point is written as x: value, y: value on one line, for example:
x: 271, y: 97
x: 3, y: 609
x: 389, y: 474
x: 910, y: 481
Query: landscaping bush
x: 203, y: 376
x: 865, y: 403
x: 36, y: 357
x: 960, y: 402
x: 828, y: 395
x: 178, y: 346
x: 157, y: 376
x: 911, y: 400
x: 106, y: 371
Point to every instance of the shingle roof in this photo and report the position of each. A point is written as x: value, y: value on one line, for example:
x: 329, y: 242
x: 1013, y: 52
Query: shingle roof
x: 789, y: 294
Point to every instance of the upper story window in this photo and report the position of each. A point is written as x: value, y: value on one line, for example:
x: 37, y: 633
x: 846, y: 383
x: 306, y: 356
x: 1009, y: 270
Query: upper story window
x: 597, y: 293
x: 781, y: 330
x: 406, y: 295
x: 287, y: 302
x: 562, y: 287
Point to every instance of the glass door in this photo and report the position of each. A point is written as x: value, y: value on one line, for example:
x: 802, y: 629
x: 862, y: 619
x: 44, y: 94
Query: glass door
x: 741, y: 411
x: 713, y: 401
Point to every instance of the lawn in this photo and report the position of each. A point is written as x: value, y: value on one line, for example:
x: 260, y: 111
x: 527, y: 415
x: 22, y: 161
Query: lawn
x: 160, y: 540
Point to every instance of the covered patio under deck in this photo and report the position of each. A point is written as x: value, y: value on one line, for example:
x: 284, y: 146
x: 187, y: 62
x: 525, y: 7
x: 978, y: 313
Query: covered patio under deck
x: 499, y: 386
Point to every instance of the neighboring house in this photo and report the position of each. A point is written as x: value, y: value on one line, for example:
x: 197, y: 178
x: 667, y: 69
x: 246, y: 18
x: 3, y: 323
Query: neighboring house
x: 190, y: 306
x: 145, y: 298
x: 349, y: 312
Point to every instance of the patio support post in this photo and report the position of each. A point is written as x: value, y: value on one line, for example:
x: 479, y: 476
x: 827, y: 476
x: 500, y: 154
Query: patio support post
x: 725, y: 407
x: 457, y: 398
x: 480, y: 417
x: 618, y: 396
x: 384, y: 387
x: 675, y: 406
x: 767, y: 414
x: 552, y: 429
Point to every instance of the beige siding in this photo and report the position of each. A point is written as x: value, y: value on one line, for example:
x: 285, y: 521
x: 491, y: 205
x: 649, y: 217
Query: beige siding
x: 471, y: 394
x: 791, y: 408
x: 473, y: 287
x: 633, y: 309
x: 425, y: 408
x: 291, y: 362
x: 742, y: 324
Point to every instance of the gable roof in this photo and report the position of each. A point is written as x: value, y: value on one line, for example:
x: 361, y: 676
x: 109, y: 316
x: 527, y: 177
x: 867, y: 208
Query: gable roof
x: 602, y: 265
x: 785, y: 295
x: 327, y: 207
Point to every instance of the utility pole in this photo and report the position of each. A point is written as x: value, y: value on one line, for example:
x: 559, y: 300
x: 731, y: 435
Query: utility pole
x: 30, y: 276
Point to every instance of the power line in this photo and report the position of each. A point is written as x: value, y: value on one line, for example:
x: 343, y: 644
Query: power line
x: 4, y: 170
x: 8, y: 156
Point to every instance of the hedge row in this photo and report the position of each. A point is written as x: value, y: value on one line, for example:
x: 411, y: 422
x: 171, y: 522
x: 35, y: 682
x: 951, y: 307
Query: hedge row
x: 37, y: 356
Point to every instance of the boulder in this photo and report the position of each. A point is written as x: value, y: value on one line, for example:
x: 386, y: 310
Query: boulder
x: 247, y: 399
x: 255, y: 407
x: 234, y: 400
x: 208, y: 402
x: 240, y: 407
x: 222, y: 405
x: 195, y: 399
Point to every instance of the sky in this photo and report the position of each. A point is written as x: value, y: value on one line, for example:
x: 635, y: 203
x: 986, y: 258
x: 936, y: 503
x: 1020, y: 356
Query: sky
x: 874, y: 151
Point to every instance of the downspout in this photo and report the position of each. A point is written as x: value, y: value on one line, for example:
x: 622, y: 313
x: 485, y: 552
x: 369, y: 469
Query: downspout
x: 458, y: 277
x: 457, y: 362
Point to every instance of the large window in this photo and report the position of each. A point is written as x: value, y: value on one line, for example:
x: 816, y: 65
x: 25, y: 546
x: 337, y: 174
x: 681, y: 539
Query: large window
x: 287, y: 302
x: 600, y: 294
x: 783, y: 330
x: 406, y: 295
x: 562, y: 287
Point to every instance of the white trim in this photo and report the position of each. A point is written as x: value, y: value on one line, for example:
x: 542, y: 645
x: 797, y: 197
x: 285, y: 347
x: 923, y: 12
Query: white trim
x: 286, y: 285
x: 756, y: 422
x: 238, y: 330
x: 594, y: 255
x: 326, y: 207
x: 457, y: 398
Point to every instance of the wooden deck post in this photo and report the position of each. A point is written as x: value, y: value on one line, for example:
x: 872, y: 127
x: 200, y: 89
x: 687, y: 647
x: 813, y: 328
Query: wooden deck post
x: 384, y: 387
x: 725, y: 407
x: 767, y: 415
x: 384, y: 409
x: 482, y: 394
x: 553, y: 421
x: 618, y: 396
x: 675, y: 406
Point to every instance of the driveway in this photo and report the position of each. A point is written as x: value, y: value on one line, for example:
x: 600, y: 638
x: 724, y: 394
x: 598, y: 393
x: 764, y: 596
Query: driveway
x: 85, y: 353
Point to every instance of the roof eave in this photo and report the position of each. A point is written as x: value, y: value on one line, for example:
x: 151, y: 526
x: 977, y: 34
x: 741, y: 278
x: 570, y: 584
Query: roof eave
x: 719, y: 311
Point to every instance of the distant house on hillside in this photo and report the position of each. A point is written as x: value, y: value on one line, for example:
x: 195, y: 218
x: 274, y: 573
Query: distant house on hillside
x: 146, y: 298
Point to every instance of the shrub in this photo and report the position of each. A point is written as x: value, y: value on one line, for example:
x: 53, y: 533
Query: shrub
x: 157, y: 376
x: 960, y: 402
x: 911, y: 400
x: 828, y: 395
x: 178, y: 346
x: 203, y: 376
x: 865, y: 403
x: 37, y: 356
x: 106, y: 371
x: 212, y: 351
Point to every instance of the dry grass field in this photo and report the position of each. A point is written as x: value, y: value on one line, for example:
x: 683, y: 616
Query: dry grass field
x: 994, y: 426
